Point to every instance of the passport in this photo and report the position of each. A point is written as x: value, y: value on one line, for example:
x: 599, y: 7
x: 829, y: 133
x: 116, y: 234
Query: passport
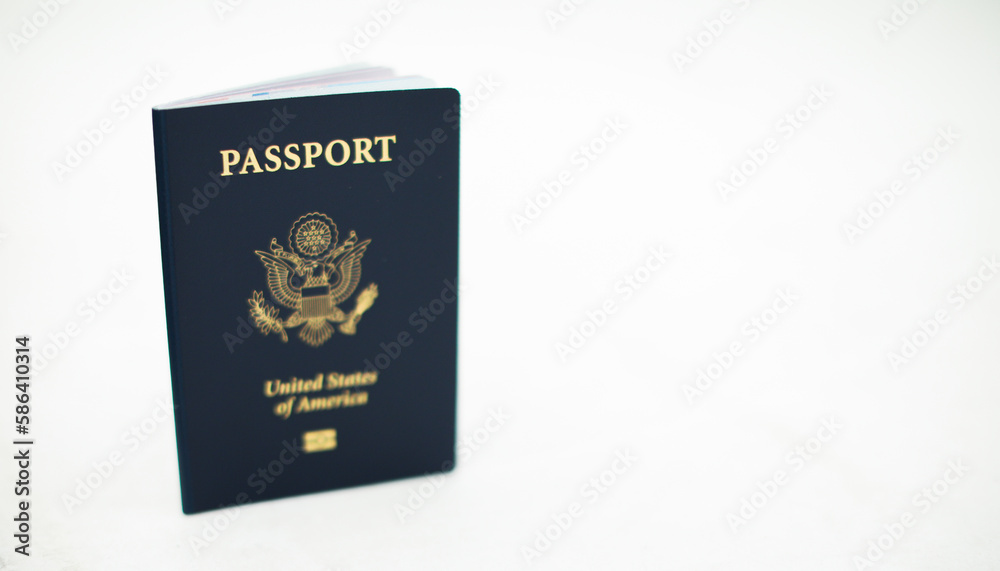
x: 309, y: 240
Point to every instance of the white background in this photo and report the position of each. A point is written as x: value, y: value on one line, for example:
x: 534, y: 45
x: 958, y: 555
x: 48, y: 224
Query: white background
x: 528, y: 287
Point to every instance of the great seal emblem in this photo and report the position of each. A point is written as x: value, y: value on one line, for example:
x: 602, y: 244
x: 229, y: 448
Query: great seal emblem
x: 312, y: 279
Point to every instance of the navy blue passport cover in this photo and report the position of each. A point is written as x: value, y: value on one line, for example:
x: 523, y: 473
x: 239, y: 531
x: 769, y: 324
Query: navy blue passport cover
x: 311, y: 291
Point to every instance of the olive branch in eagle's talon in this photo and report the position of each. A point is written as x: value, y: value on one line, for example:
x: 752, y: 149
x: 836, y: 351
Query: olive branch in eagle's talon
x: 265, y: 316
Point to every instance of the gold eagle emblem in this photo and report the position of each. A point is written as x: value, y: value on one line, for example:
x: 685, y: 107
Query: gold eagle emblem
x: 313, y: 278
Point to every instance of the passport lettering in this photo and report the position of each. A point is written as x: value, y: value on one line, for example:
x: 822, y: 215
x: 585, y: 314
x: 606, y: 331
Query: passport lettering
x: 299, y: 400
x: 307, y: 155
